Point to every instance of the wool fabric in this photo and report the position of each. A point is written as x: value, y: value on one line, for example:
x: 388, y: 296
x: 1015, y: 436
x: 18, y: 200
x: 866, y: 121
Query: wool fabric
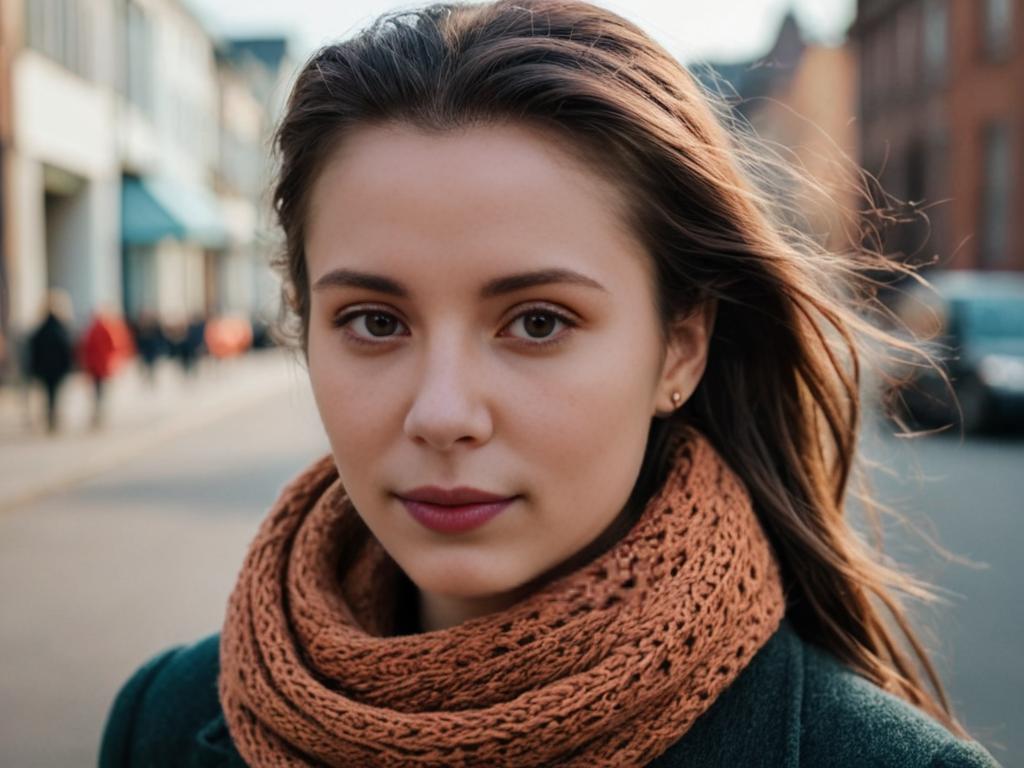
x: 607, y: 665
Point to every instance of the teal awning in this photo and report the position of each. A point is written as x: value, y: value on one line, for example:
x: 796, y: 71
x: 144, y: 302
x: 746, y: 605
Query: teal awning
x: 155, y: 208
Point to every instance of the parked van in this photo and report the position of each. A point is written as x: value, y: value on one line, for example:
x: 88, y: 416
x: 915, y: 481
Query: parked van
x: 976, y: 322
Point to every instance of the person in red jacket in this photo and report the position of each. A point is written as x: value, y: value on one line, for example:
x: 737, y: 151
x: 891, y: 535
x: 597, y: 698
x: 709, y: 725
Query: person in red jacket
x: 103, y: 349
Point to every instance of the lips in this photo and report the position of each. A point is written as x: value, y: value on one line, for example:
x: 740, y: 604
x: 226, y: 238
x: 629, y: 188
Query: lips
x: 447, y: 519
x: 432, y: 494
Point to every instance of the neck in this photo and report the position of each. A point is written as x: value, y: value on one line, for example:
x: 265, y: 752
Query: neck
x: 444, y: 611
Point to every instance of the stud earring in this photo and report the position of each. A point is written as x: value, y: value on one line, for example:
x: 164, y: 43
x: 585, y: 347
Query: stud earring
x: 677, y: 398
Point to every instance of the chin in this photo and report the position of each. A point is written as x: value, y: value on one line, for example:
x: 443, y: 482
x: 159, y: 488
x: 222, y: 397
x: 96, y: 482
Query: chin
x: 464, y: 575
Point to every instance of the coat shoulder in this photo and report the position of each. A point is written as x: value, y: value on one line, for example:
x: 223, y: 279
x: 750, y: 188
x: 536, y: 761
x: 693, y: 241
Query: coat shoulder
x: 847, y: 720
x: 168, y: 712
x: 802, y: 707
x: 797, y: 706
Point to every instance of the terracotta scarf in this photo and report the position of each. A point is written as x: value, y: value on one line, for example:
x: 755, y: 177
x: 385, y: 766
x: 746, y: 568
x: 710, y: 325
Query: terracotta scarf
x: 606, y: 666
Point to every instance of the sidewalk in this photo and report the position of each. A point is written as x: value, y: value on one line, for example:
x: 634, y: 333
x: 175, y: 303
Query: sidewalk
x: 138, y: 415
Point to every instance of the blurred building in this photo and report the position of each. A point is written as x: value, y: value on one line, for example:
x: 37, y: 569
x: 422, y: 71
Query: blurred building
x: 134, y: 156
x: 254, y: 76
x: 63, y: 171
x: 800, y: 97
x: 5, y: 140
x: 172, y: 227
x: 238, y: 178
x: 942, y: 123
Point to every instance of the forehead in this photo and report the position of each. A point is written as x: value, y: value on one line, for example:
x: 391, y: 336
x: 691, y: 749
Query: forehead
x: 500, y: 158
x: 501, y: 190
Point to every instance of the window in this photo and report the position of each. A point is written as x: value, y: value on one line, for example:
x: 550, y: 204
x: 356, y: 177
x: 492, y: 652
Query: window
x: 140, y: 59
x: 995, y: 195
x: 997, y: 27
x: 62, y: 30
x: 936, y: 40
x: 867, y: 64
x: 937, y: 188
x: 905, y: 47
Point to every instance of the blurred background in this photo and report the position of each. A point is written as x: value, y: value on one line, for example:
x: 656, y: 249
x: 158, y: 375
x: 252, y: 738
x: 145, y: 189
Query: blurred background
x: 147, y: 419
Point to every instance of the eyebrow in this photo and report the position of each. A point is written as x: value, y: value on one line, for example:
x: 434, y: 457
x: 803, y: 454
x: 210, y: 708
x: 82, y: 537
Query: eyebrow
x: 338, y: 278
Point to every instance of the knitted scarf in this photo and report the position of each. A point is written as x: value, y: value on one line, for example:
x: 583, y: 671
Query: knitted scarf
x: 608, y: 665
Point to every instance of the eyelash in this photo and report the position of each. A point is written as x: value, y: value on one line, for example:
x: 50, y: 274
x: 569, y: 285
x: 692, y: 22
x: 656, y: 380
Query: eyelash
x: 345, y: 319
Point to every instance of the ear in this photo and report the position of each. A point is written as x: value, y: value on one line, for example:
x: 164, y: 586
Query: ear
x: 686, y: 357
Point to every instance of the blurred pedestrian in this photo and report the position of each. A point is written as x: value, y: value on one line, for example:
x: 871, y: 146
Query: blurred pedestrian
x: 103, y: 349
x: 185, y: 342
x: 195, y: 343
x: 50, y: 351
x: 4, y: 357
x: 149, y: 342
x: 227, y: 336
x: 262, y: 334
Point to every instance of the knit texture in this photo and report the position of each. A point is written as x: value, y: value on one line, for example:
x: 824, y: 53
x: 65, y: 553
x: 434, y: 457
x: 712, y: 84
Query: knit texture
x: 605, y: 666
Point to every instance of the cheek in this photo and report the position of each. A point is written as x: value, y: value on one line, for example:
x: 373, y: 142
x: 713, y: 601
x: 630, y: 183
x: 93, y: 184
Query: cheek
x: 587, y: 425
x: 584, y: 451
x: 350, y: 394
x: 603, y: 387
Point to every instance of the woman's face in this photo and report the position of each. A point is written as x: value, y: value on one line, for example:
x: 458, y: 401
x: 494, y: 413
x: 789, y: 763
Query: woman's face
x: 459, y: 364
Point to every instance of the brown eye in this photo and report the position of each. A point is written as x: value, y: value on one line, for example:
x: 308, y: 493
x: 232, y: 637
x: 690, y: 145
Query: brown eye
x: 379, y: 324
x: 542, y: 324
x: 375, y: 325
x: 539, y: 324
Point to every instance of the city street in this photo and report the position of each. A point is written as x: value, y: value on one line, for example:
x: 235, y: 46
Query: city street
x: 97, y: 578
x: 966, y: 495
x: 158, y: 160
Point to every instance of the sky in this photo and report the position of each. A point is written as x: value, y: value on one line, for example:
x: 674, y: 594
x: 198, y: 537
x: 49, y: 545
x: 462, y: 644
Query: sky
x: 693, y: 30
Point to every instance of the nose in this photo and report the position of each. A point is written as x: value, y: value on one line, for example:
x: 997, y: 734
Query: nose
x: 448, y: 406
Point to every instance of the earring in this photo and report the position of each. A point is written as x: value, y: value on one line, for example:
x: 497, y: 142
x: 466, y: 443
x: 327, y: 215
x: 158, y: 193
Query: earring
x: 677, y: 398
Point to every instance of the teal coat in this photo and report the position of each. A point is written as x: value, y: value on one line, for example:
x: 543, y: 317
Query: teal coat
x: 794, y: 706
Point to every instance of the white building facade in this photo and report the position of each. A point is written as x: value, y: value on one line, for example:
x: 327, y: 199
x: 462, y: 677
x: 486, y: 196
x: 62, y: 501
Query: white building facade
x: 136, y: 164
x: 171, y: 222
x: 63, y: 174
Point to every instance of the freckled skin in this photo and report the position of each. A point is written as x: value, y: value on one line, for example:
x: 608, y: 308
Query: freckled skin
x: 452, y: 389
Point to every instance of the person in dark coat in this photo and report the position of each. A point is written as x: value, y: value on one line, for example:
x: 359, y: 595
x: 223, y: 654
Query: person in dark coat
x: 194, y: 346
x: 149, y: 342
x: 51, y: 352
x: 185, y: 342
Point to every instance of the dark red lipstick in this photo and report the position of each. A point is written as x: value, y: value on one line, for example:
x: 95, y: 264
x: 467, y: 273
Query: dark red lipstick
x: 453, y: 510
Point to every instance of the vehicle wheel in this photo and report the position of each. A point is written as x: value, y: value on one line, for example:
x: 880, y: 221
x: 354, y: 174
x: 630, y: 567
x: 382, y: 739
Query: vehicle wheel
x: 974, y: 404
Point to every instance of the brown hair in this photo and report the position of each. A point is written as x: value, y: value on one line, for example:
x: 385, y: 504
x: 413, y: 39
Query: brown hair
x: 780, y: 397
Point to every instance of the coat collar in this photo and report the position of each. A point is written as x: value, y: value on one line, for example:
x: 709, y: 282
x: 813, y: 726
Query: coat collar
x: 755, y: 722
x: 215, y: 749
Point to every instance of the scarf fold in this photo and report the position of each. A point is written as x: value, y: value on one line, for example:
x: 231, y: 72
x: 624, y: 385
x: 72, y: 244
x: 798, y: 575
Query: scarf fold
x: 608, y: 665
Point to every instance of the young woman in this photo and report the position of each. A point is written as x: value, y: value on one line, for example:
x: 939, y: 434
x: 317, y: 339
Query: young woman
x: 592, y: 414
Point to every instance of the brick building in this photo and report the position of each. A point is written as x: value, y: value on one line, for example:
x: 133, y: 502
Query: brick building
x: 942, y: 123
x: 800, y: 99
